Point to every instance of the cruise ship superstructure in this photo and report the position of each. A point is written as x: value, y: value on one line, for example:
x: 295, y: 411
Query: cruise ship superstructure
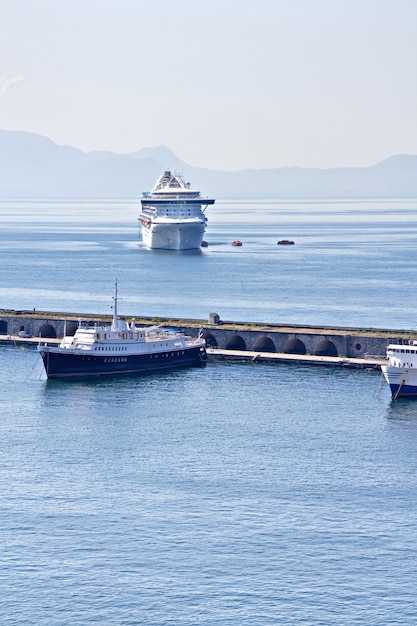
x: 172, y: 215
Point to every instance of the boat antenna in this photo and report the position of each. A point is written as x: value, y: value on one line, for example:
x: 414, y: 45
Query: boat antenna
x: 115, y: 323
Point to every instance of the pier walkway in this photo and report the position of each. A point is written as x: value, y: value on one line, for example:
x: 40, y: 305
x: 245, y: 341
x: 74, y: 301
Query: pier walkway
x: 29, y: 341
x: 307, y: 359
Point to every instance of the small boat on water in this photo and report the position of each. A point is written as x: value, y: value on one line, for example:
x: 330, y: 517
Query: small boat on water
x: 236, y: 243
x: 285, y: 242
x: 121, y: 349
x: 401, y: 370
x: 172, y: 215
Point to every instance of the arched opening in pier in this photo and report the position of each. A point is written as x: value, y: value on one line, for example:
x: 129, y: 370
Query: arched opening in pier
x: 235, y: 342
x: 295, y: 346
x: 325, y: 347
x: 211, y: 341
x: 47, y: 331
x: 264, y: 344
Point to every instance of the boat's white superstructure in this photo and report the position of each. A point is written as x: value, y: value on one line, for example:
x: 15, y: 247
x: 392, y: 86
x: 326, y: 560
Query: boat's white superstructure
x: 172, y: 215
x: 401, y: 370
x: 121, y: 349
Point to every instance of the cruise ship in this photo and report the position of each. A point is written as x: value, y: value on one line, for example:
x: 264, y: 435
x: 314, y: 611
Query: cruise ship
x: 401, y: 370
x: 121, y: 349
x: 172, y: 215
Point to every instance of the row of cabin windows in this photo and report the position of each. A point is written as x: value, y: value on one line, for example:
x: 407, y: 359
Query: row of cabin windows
x: 156, y: 356
x: 123, y: 359
x: 152, y: 356
x: 127, y: 335
x: 115, y: 349
x: 191, y: 213
x: 405, y: 351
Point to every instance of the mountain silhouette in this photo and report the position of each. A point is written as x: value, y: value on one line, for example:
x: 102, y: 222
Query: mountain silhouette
x: 33, y: 166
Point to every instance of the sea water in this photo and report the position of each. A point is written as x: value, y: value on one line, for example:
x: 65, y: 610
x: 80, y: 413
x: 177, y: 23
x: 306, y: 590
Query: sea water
x: 239, y: 494
x: 352, y: 264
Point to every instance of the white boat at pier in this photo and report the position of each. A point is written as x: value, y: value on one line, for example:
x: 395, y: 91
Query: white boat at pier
x: 401, y: 370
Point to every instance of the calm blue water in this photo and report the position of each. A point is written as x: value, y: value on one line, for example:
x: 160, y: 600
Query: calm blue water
x: 353, y: 264
x: 241, y: 494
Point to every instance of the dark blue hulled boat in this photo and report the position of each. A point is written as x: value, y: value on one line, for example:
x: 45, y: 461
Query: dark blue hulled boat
x: 121, y: 349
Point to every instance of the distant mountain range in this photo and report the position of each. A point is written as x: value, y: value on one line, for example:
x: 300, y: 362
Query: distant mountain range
x: 33, y: 166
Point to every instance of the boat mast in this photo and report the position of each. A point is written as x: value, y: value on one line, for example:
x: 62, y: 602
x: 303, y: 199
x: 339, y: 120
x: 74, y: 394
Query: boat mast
x: 115, y: 323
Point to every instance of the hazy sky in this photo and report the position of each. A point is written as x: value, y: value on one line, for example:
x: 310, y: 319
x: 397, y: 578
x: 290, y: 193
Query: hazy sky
x: 226, y: 84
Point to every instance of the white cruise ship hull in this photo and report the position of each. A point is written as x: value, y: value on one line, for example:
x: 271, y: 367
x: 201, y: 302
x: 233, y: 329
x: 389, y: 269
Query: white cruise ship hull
x: 174, y: 235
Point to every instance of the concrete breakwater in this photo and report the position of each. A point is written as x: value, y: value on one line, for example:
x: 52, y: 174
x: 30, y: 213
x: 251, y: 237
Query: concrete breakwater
x: 355, y: 343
